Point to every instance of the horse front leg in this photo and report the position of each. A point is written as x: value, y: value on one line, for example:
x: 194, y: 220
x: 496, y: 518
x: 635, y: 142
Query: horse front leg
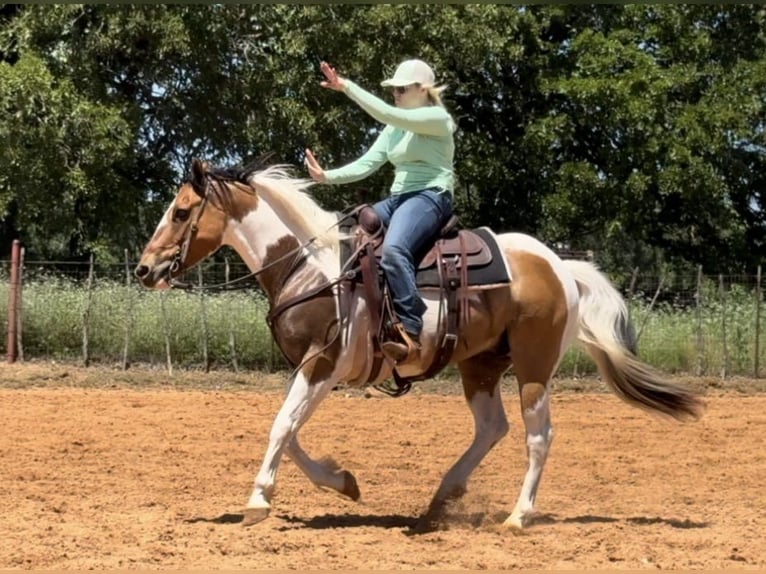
x: 323, y: 475
x: 302, y: 399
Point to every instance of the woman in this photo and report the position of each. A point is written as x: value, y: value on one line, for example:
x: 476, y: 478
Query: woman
x: 418, y: 140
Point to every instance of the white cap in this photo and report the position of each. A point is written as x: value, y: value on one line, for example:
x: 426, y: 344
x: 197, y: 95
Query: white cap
x: 411, y: 72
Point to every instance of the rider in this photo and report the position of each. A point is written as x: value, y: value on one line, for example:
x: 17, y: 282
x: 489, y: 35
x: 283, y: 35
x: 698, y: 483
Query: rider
x: 418, y: 140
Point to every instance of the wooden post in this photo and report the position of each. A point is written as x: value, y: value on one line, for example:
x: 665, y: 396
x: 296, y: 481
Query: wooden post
x: 128, y: 314
x: 700, y: 339
x: 203, y: 315
x: 631, y: 289
x: 86, y: 315
x: 230, y: 317
x: 758, y: 304
x: 575, y: 370
x: 649, y: 311
x: 722, y: 294
x: 20, y: 308
x: 166, y: 332
x: 13, y: 299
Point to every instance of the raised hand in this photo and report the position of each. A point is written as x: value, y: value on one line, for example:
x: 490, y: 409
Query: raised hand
x: 333, y: 81
x: 315, y: 170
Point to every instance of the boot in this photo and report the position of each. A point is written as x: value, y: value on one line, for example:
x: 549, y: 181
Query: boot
x: 406, y: 351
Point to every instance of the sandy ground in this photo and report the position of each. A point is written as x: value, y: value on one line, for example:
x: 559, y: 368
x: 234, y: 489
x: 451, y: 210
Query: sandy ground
x: 98, y: 471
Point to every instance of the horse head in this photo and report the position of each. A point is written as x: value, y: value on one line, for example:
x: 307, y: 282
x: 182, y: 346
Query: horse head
x: 191, y: 229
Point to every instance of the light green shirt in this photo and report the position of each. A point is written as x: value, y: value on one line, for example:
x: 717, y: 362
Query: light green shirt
x: 418, y: 142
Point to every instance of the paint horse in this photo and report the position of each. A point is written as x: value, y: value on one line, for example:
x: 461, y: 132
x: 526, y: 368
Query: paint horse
x: 292, y: 244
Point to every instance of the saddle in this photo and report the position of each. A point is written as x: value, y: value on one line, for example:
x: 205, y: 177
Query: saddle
x: 457, y: 258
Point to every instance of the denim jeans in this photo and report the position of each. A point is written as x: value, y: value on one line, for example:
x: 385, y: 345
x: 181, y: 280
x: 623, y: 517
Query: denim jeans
x: 412, y: 221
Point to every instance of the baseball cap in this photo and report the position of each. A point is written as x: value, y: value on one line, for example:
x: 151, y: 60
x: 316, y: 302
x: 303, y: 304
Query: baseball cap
x: 411, y: 72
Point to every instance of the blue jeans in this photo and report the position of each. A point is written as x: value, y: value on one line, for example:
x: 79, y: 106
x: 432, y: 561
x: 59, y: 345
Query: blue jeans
x: 412, y: 221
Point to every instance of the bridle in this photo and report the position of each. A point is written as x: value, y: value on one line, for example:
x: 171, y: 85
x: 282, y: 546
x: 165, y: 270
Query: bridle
x: 183, y: 247
x: 182, y: 250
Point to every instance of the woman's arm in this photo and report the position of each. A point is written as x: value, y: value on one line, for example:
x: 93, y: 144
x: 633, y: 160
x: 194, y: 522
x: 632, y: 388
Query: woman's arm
x: 367, y: 164
x: 426, y: 120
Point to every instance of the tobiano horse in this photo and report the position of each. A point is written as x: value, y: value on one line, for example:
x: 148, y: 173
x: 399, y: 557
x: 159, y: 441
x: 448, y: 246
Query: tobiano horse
x: 292, y: 245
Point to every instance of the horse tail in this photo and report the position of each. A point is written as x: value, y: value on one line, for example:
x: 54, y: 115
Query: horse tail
x: 608, y: 336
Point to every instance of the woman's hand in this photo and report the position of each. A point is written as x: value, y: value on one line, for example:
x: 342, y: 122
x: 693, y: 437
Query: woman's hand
x: 315, y: 170
x: 334, y: 81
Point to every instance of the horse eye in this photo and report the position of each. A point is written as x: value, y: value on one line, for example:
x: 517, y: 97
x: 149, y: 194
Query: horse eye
x: 181, y: 215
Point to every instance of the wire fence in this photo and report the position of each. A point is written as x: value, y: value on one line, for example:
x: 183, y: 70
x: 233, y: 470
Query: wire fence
x: 91, y: 312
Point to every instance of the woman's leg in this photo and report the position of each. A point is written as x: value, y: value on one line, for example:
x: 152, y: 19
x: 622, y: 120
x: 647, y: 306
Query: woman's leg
x: 413, y: 225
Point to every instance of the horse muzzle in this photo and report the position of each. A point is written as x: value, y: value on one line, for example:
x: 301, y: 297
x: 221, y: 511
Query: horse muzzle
x: 153, y: 276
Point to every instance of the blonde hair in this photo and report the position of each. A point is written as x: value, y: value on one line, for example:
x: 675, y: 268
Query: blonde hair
x: 435, y: 95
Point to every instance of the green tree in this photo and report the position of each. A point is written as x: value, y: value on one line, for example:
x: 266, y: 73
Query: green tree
x: 634, y: 130
x: 660, y: 131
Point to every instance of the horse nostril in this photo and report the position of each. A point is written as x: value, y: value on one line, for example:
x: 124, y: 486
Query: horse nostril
x: 142, y: 271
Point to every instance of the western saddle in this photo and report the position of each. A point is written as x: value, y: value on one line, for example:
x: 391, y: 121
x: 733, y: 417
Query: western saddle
x: 444, y: 266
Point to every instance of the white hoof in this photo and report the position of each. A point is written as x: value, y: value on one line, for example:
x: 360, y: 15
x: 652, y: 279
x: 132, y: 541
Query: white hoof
x: 517, y: 521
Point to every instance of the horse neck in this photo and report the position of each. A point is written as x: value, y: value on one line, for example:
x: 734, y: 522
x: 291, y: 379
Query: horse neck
x: 271, y: 246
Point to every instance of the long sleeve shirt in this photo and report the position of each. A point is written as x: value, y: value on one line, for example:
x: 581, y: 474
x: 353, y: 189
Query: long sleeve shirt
x: 419, y: 143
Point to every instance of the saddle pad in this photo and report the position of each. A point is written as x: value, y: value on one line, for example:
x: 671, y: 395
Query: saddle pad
x: 496, y: 271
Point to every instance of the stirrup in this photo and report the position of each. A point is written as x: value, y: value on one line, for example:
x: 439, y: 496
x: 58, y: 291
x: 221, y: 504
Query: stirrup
x: 405, y: 337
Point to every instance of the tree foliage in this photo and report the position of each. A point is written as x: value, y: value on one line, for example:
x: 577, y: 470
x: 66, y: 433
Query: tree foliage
x: 633, y: 130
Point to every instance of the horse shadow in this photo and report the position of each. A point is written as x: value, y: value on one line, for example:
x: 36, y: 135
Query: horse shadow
x: 322, y: 522
x: 415, y: 525
x: 686, y: 523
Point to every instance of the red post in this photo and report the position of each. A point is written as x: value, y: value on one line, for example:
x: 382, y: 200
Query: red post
x: 13, y: 301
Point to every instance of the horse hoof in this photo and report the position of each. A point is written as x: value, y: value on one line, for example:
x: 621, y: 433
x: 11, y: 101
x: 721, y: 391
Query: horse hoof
x: 252, y: 516
x: 350, y: 487
x: 515, y: 523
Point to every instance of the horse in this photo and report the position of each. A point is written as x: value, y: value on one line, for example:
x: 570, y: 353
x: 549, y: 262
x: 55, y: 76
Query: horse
x: 292, y: 246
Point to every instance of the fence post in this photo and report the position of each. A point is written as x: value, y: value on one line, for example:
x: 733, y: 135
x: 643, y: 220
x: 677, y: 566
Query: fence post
x: 166, y: 332
x: 757, y: 361
x: 651, y: 307
x: 203, y: 313
x: 20, y: 308
x: 232, y: 339
x: 13, y: 301
x: 631, y: 288
x: 700, y: 339
x: 722, y: 295
x: 128, y: 314
x: 86, y: 316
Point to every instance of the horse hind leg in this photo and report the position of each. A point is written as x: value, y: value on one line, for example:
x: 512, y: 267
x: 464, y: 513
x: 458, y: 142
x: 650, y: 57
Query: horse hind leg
x: 533, y: 373
x: 535, y: 402
x: 480, y: 377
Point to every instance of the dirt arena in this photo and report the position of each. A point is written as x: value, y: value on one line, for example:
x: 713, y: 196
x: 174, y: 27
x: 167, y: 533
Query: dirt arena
x: 104, y: 469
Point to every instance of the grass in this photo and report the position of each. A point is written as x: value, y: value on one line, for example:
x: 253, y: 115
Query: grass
x: 54, y: 315
x: 675, y: 337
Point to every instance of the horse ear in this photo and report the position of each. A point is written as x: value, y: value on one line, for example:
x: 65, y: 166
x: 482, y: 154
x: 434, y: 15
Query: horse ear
x: 198, y: 172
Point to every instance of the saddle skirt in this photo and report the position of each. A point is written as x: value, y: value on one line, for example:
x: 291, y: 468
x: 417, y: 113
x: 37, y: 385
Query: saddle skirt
x: 475, y: 249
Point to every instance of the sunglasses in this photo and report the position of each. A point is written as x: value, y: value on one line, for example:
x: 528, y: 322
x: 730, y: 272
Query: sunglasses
x: 401, y: 89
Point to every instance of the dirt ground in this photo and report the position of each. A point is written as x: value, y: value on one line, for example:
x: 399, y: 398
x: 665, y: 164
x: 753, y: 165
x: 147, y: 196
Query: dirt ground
x: 104, y: 469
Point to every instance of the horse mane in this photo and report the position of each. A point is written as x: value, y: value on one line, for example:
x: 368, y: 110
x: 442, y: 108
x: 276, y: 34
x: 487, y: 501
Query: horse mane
x: 290, y: 197
x: 284, y: 192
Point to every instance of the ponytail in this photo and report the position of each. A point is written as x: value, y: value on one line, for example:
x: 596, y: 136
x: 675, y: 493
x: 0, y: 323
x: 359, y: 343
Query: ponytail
x: 435, y: 95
